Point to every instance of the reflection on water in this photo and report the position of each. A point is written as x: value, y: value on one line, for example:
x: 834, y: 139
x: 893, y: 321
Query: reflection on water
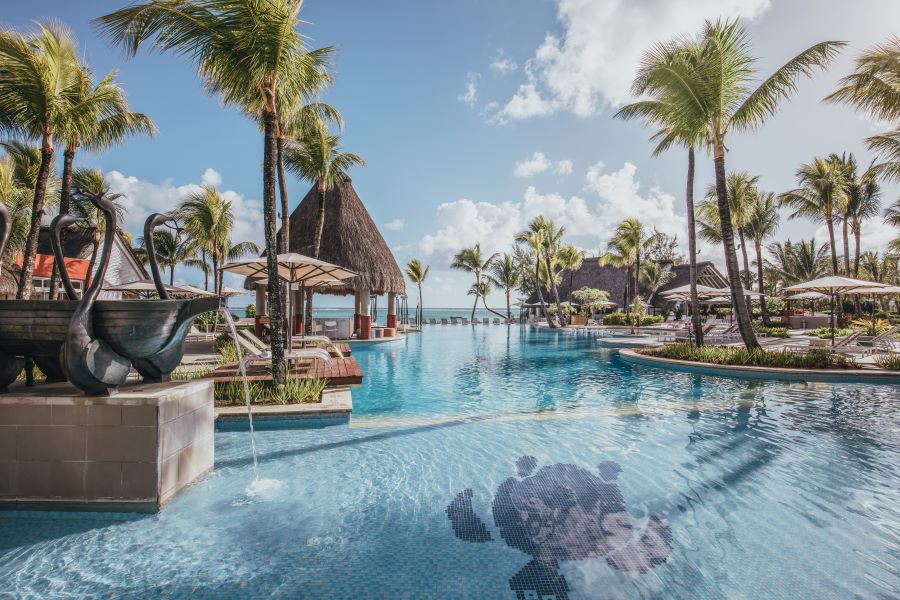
x: 495, y: 463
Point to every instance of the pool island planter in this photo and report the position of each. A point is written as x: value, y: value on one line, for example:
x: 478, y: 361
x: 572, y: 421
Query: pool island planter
x: 133, y: 452
x: 336, y: 404
x: 749, y: 372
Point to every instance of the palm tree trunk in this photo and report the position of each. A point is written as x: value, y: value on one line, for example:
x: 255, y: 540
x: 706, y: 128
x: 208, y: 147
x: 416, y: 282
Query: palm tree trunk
x: 759, y: 277
x: 857, y: 234
x: 205, y: 270
x: 64, y: 204
x: 637, y: 271
x: 474, y: 306
x: 555, y: 290
x: 171, y: 274
x: 745, y: 324
x: 490, y: 310
x: 537, y: 286
x: 846, y: 234
x: 508, y: 310
x: 421, y: 308
x: 627, y: 286
x: 692, y: 249
x: 320, y: 223
x: 276, y: 323
x: 284, y: 239
x: 746, y: 266
x: 829, y: 222
x: 37, y: 213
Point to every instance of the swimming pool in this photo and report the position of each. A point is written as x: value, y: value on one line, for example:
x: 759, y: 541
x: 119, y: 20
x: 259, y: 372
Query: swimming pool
x: 486, y: 462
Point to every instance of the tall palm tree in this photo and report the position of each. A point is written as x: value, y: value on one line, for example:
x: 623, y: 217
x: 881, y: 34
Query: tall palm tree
x: 22, y: 166
x: 250, y: 53
x: 717, y: 86
x: 471, y: 260
x: 863, y: 203
x: 624, y: 250
x: 821, y: 196
x: 481, y: 289
x: 38, y: 90
x: 417, y: 274
x: 679, y: 124
x: 506, y: 275
x: 872, y: 88
x: 533, y: 239
x: 571, y: 259
x: 795, y: 262
x: 551, y: 244
x: 892, y: 217
x: 654, y: 276
x: 91, y: 219
x: 16, y: 197
x: 100, y: 118
x: 762, y: 221
x: 741, y: 189
x: 172, y: 249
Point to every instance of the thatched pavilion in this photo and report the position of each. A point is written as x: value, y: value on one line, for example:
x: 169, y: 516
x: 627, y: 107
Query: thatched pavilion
x: 350, y: 239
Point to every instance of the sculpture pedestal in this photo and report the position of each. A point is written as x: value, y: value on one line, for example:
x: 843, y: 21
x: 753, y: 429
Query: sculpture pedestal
x: 62, y: 450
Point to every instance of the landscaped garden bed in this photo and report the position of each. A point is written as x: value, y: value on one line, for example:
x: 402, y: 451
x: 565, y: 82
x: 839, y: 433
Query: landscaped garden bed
x: 816, y: 358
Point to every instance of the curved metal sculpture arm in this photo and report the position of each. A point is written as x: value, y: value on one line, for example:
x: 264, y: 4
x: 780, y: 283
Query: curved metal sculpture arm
x: 59, y: 223
x: 152, y: 222
x: 5, y: 227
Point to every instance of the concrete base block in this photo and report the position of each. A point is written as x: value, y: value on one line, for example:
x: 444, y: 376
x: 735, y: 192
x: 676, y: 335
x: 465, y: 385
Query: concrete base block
x: 62, y: 450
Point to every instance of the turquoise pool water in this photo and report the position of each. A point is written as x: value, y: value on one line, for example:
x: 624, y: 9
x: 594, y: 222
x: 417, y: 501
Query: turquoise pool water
x: 495, y: 462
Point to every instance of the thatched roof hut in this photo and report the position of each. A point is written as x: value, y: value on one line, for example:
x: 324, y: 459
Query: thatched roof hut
x: 350, y: 239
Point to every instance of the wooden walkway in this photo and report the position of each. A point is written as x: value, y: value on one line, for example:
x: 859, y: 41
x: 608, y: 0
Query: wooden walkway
x: 341, y: 371
x: 344, y: 347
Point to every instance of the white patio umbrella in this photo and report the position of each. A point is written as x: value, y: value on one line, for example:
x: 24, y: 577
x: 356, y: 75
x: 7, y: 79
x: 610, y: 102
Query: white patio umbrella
x: 832, y: 285
x: 141, y: 285
x: 293, y: 268
x: 684, y: 291
x: 807, y: 296
x: 878, y: 291
x: 727, y: 291
x: 195, y: 290
x: 716, y: 300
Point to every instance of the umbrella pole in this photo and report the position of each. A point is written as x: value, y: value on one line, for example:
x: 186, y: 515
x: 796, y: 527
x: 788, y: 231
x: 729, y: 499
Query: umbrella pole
x: 832, y: 318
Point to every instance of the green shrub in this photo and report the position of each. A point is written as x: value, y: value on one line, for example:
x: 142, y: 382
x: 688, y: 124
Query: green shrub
x: 890, y: 362
x: 224, y: 348
x: 616, y: 318
x: 825, y: 332
x: 295, y: 391
x: 651, y: 319
x: 816, y: 358
x: 250, y: 311
x: 773, y: 331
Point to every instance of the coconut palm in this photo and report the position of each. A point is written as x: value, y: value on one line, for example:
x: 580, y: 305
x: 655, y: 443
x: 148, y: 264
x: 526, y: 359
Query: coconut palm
x: 17, y: 200
x: 762, y: 221
x: 795, y: 262
x: 873, y: 88
x: 550, y: 247
x: 91, y: 219
x: 173, y: 248
x: 208, y: 221
x: 38, y: 90
x: 741, y: 190
x: 821, y: 196
x: 863, y: 203
x: 571, y: 259
x: 22, y: 165
x: 505, y: 274
x: 251, y: 54
x: 716, y: 86
x: 471, y: 260
x: 417, y: 274
x: 533, y: 239
x: 100, y: 118
x: 624, y: 250
x: 481, y: 289
x: 654, y: 276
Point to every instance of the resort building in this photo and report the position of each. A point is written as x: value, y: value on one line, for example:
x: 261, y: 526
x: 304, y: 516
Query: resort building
x: 350, y: 239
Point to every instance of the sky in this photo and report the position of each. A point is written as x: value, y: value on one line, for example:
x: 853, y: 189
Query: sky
x: 476, y: 115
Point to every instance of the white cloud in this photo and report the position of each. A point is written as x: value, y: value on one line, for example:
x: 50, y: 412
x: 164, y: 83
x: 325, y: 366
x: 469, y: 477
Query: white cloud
x: 594, y: 60
x: 470, y: 97
x: 589, y: 222
x: 395, y: 225
x: 212, y: 177
x: 144, y: 197
x: 538, y: 163
x: 502, y: 64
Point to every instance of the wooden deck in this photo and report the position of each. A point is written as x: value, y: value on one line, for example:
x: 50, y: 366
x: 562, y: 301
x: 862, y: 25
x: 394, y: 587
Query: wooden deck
x: 342, y: 371
x: 344, y: 347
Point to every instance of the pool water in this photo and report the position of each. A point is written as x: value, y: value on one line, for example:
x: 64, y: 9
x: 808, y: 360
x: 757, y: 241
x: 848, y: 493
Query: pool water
x: 495, y: 462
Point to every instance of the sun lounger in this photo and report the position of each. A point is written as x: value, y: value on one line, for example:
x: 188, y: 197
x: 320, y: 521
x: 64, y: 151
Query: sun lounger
x: 485, y: 321
x: 444, y: 322
x: 312, y: 339
x: 432, y: 321
x: 257, y: 354
x: 465, y: 321
x: 496, y: 321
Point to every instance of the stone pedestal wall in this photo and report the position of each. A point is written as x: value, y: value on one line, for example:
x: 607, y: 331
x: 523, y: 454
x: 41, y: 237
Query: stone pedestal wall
x: 135, y: 451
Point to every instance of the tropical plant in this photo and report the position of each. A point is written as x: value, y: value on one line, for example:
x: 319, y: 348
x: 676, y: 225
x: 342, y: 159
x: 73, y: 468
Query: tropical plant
x: 871, y: 325
x: 873, y: 88
x: 795, y: 262
x: 716, y: 86
x: 505, y: 274
x: 172, y: 249
x: 591, y: 299
x: 533, y: 239
x: 480, y: 289
x: 471, y: 260
x: 741, y: 191
x: 624, y: 250
x: 417, y: 274
x: 762, y: 221
x: 91, y: 219
x: 637, y: 312
x: 18, y: 175
x: 251, y: 54
x: 570, y: 259
x: 208, y: 221
x: 863, y: 203
x: 39, y: 88
x: 655, y: 276
x: 816, y: 358
x: 822, y: 196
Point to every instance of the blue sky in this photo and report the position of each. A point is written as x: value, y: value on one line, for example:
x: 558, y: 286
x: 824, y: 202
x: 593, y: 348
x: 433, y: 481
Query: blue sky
x: 450, y: 102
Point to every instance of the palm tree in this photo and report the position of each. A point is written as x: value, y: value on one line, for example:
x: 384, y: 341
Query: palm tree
x: 552, y: 239
x: 99, y: 119
x: 506, y: 275
x: 571, y: 259
x: 624, y: 250
x: 208, y: 220
x: 863, y: 203
x: 417, y: 274
x: 249, y: 53
x: 39, y: 88
x: 892, y: 217
x: 821, y: 196
x: 22, y: 165
x: 741, y: 190
x: 481, y: 289
x: 90, y: 218
x: 679, y: 123
x: 172, y: 249
x: 470, y: 260
x: 17, y: 200
x: 795, y: 262
x: 872, y: 88
x: 654, y: 276
x: 716, y: 86
x: 533, y: 238
x: 762, y: 221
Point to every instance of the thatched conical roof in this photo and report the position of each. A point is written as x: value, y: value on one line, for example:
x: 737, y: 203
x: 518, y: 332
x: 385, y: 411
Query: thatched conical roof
x: 350, y: 239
